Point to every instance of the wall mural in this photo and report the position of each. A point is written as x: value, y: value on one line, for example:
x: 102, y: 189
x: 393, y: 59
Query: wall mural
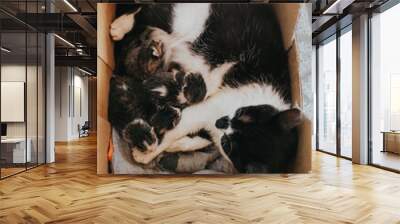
x: 200, y: 88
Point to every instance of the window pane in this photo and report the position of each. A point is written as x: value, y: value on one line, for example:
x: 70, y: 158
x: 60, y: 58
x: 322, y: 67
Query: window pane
x: 314, y: 85
x: 385, y: 84
x: 15, y: 151
x: 41, y: 98
x: 327, y: 97
x: 346, y: 94
x: 31, y: 99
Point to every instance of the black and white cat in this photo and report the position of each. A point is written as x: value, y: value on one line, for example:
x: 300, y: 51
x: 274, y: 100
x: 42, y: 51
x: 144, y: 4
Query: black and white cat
x: 237, y: 49
x: 256, y: 127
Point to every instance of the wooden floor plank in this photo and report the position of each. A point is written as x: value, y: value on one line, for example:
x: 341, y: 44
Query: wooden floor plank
x: 69, y: 191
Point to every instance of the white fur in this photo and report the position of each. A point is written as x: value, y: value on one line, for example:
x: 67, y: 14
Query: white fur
x: 122, y: 25
x: 187, y: 144
x: 138, y: 121
x: 162, y: 90
x: 123, y: 86
x: 181, y: 98
x: 228, y: 131
x: 189, y: 20
x: 205, y: 114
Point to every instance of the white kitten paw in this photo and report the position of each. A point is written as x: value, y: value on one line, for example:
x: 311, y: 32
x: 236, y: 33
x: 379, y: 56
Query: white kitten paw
x: 151, y: 148
x: 143, y: 158
x: 121, y: 26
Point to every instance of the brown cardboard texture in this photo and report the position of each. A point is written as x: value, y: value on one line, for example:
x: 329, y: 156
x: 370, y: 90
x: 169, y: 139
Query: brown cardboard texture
x: 288, y: 17
x: 105, y: 65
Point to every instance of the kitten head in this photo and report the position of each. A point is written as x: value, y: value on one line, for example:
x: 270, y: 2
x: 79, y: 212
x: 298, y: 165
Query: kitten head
x: 260, y: 135
x: 163, y: 89
x: 144, y: 57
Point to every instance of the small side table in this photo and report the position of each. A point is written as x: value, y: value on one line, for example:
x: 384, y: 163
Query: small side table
x: 13, y: 150
x: 391, y: 141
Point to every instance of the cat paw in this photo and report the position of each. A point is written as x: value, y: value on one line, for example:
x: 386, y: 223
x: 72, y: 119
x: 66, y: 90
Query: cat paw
x: 194, y: 88
x: 142, y: 157
x: 139, y: 134
x: 166, y: 118
x: 121, y: 26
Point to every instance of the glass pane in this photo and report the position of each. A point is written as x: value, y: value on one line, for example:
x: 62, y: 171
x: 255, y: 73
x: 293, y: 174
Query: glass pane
x: 41, y: 98
x: 327, y: 97
x: 346, y: 94
x: 13, y: 86
x: 31, y: 100
x: 385, y: 84
x: 314, y: 85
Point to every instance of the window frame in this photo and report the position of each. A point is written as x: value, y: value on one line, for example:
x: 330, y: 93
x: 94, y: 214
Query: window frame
x: 371, y: 13
x: 334, y: 37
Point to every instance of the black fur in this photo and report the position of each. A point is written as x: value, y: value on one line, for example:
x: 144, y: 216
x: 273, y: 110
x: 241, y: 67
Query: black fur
x: 194, y: 88
x: 263, y: 139
x: 249, y: 34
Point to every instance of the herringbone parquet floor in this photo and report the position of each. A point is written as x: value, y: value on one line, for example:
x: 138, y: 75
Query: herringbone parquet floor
x: 69, y: 191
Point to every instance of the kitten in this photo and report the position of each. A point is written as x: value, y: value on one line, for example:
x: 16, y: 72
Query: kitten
x: 138, y: 114
x: 261, y: 139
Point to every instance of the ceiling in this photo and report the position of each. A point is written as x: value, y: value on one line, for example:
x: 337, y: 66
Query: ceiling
x: 75, y: 22
x: 329, y: 16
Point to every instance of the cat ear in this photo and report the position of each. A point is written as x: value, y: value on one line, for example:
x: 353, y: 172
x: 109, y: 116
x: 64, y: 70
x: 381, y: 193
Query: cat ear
x: 291, y: 118
x: 157, y: 49
x: 242, y: 115
x: 245, y: 118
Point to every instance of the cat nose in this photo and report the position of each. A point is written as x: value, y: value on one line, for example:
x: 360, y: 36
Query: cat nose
x: 222, y: 123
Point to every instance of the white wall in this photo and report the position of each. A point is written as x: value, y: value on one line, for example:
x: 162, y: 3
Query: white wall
x: 14, y: 72
x: 61, y: 103
x: 70, y: 84
x: 33, y: 127
x: 17, y: 72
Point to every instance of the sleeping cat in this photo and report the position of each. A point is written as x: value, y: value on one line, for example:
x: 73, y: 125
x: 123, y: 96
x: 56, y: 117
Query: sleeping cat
x: 236, y: 48
x: 260, y: 139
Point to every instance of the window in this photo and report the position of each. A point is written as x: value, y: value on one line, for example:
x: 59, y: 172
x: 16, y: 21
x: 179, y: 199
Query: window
x: 22, y: 75
x: 385, y: 89
x: 334, y: 109
x: 346, y: 94
x: 327, y: 97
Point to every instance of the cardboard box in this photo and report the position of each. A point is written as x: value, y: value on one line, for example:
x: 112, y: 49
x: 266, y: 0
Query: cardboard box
x: 105, y: 66
x: 288, y: 17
